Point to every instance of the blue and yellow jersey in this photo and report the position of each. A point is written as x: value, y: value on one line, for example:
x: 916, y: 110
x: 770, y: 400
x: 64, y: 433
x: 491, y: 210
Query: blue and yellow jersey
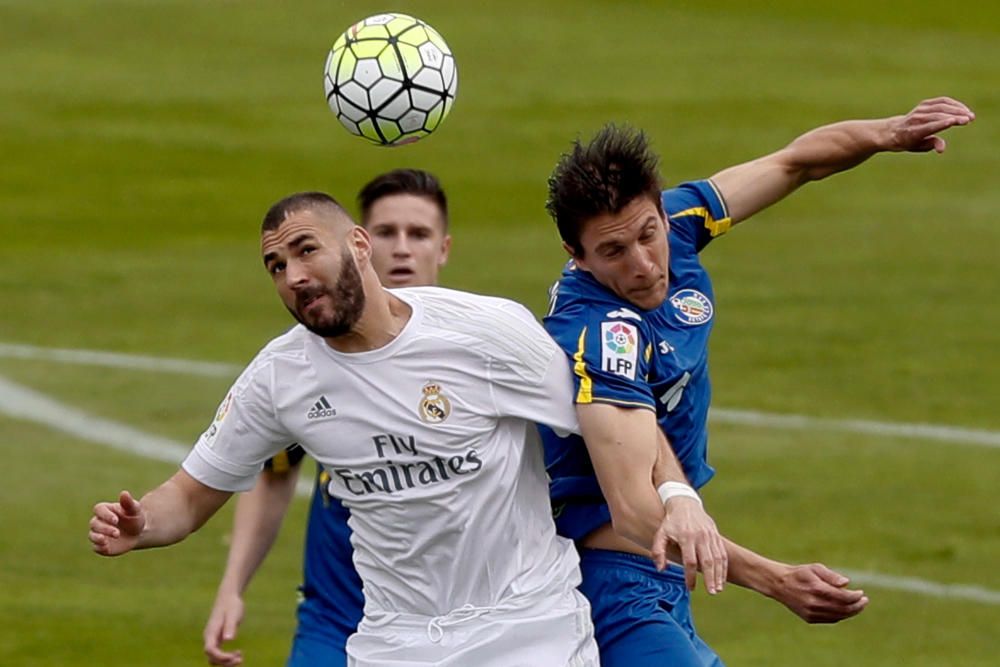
x: 331, y: 587
x: 638, y: 359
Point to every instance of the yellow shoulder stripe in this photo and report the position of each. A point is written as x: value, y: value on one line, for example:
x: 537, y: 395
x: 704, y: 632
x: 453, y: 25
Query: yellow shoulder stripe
x: 585, y: 393
x: 714, y: 227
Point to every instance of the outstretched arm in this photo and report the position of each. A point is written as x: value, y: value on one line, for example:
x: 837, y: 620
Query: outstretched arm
x: 257, y: 520
x: 753, y: 186
x: 165, y: 515
x: 813, y: 592
x: 624, y: 447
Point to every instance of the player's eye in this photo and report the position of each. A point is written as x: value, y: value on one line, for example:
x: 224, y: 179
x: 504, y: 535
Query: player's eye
x: 276, y: 268
x: 421, y: 234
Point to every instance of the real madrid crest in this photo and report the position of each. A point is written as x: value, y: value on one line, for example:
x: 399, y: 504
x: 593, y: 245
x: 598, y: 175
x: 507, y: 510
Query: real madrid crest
x: 434, y: 406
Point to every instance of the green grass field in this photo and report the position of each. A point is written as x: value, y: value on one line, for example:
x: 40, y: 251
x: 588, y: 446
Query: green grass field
x: 142, y: 142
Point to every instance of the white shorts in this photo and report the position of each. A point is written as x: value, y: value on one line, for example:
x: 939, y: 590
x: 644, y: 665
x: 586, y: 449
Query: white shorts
x: 552, y: 633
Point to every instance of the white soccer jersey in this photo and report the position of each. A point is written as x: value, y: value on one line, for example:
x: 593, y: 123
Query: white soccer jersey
x: 429, y: 441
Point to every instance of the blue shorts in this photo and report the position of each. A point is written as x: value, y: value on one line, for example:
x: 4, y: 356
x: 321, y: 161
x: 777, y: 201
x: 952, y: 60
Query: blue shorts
x: 642, y: 618
x: 320, y: 637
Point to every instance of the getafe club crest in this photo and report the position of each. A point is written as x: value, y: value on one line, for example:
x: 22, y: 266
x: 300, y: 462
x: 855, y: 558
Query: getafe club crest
x: 434, y: 406
x: 691, y: 307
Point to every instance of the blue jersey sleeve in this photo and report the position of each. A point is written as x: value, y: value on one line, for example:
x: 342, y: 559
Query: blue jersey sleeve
x: 608, y: 351
x: 697, y: 213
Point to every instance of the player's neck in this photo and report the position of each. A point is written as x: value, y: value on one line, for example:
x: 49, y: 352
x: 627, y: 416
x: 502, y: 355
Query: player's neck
x: 382, y: 320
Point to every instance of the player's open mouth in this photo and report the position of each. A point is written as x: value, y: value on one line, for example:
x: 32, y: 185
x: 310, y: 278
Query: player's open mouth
x: 401, y: 273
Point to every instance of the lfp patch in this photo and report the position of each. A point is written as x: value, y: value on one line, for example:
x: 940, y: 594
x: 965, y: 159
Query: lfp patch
x: 691, y: 307
x: 619, y: 348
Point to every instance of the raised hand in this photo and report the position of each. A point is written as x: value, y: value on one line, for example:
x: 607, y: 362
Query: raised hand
x: 917, y: 131
x: 115, y: 527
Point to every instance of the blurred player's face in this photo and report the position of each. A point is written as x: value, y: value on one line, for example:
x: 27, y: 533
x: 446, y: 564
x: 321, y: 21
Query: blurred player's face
x: 409, y: 244
x: 315, y: 273
x: 627, y: 252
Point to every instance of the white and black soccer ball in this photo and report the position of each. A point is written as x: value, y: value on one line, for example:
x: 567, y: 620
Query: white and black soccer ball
x: 391, y: 79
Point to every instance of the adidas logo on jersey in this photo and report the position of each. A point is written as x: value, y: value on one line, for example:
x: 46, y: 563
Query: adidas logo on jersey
x: 321, y: 409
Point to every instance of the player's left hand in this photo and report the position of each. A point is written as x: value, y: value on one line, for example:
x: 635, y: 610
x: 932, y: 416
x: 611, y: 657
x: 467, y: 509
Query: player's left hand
x: 222, y: 626
x: 817, y: 594
x: 917, y: 131
x: 687, y: 525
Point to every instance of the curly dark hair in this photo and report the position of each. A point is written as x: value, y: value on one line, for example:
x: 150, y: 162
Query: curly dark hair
x: 603, y: 176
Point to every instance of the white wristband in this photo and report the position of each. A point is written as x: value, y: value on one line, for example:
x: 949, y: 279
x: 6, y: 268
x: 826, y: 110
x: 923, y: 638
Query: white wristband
x: 669, y: 490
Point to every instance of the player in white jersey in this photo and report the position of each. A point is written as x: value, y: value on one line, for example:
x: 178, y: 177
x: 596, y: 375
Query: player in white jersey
x: 429, y: 398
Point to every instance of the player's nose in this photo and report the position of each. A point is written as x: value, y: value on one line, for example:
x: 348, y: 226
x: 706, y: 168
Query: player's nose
x: 401, y: 246
x: 641, y: 263
x: 295, y: 275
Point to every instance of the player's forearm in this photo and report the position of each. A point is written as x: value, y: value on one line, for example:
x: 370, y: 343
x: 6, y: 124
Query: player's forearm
x: 834, y: 148
x: 256, y: 524
x: 751, y: 570
x: 667, y: 467
x: 623, y: 446
x: 636, y: 513
x: 177, y: 508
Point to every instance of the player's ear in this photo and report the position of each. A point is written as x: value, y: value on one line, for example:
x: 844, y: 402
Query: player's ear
x: 576, y: 258
x: 360, y: 242
x: 445, y: 249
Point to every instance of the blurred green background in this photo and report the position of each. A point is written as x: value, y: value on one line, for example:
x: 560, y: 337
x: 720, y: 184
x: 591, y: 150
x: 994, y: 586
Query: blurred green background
x: 141, y: 143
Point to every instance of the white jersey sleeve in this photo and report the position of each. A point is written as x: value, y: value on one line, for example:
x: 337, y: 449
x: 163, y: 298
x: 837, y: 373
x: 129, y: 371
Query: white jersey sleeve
x: 530, y: 378
x: 244, y: 434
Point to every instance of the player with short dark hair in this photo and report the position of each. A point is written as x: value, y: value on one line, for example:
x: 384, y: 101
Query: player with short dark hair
x: 633, y: 312
x: 429, y: 439
x: 405, y: 212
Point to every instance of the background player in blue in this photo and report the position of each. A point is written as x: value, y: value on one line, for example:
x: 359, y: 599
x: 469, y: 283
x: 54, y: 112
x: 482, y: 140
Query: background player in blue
x: 406, y: 213
x: 633, y: 312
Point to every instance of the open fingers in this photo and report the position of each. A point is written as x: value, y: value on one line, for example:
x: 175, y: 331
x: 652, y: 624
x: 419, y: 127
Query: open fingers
x: 659, y: 551
x: 934, y: 123
x: 689, y: 558
x: 948, y: 104
x: 722, y: 562
x: 709, y: 565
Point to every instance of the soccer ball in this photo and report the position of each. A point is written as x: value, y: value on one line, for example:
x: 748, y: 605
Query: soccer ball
x: 391, y: 79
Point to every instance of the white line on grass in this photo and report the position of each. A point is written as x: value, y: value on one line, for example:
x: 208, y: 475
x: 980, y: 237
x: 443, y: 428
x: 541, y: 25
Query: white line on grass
x: 22, y: 403
x: 117, y: 360
x: 947, y: 434
x: 937, y: 432
x: 923, y: 587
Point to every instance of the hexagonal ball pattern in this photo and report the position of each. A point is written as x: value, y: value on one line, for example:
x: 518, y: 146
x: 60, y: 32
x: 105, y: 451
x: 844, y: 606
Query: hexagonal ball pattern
x: 390, y: 78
